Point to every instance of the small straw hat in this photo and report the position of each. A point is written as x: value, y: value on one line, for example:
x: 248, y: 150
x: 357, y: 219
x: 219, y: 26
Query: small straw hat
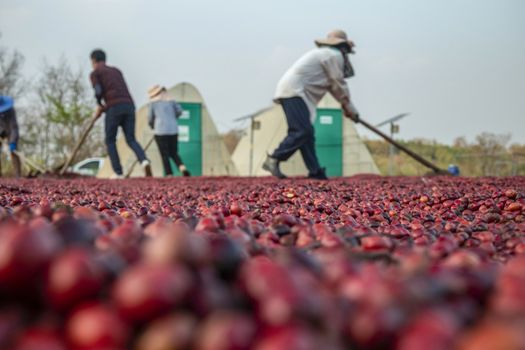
x: 155, y: 90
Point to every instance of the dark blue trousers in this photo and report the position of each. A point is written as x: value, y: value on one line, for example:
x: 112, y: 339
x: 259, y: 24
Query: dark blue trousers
x: 122, y: 115
x: 300, y: 134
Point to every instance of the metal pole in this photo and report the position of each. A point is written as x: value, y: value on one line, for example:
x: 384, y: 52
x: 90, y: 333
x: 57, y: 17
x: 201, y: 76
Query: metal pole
x: 251, y: 145
x: 391, y: 152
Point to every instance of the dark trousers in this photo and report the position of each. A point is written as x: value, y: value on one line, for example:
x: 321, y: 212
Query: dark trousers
x: 122, y: 115
x: 17, y: 165
x: 300, y: 134
x: 167, y: 145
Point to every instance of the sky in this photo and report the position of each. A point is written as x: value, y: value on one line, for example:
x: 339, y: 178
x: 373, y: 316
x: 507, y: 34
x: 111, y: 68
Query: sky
x: 457, y: 66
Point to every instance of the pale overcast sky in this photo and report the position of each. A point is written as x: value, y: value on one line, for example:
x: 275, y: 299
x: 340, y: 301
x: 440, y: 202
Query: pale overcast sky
x: 457, y: 65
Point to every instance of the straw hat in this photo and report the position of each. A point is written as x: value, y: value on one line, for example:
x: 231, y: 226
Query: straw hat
x: 155, y: 90
x: 6, y: 103
x: 334, y: 38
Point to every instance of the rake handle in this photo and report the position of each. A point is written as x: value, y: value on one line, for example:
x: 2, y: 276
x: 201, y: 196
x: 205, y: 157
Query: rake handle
x: 412, y: 154
x: 79, y: 143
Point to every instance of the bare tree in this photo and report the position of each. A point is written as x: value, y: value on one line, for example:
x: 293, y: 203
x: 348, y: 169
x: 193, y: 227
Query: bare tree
x: 62, y: 106
x: 490, y: 147
x: 11, y: 81
x: 460, y: 142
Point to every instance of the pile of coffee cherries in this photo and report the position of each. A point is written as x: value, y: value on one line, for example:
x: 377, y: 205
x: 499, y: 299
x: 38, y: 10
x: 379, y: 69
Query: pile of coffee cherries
x: 365, y: 262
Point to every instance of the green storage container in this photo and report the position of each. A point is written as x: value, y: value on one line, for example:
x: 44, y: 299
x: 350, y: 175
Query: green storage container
x: 190, y: 139
x: 329, y: 140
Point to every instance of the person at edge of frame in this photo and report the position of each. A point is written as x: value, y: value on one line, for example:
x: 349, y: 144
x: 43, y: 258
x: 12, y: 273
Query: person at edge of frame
x: 9, y: 131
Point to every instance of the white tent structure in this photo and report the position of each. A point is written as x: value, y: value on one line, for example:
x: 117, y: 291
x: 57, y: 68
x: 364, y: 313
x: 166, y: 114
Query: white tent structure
x: 200, y: 145
x: 339, y: 147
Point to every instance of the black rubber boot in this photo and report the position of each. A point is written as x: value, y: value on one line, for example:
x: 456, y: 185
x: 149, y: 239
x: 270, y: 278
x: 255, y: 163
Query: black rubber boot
x: 272, y: 165
x: 184, y: 171
x: 319, y: 175
x: 146, y: 165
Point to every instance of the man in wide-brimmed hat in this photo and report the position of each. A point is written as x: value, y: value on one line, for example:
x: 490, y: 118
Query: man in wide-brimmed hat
x: 321, y: 70
x: 114, y: 99
x: 9, y: 130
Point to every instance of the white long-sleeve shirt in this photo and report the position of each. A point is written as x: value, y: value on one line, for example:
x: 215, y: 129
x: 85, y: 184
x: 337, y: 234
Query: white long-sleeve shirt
x: 317, y: 72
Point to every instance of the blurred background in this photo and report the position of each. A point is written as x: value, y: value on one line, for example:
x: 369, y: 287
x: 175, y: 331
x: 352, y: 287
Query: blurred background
x: 456, y: 66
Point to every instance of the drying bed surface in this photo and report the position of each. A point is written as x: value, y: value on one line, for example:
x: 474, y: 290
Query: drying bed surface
x: 254, y: 263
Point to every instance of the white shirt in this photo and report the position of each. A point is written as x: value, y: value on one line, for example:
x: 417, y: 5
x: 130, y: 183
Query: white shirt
x: 317, y: 72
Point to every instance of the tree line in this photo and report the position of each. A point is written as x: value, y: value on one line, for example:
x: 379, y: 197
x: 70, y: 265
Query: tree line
x: 52, y: 108
x: 488, y: 154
